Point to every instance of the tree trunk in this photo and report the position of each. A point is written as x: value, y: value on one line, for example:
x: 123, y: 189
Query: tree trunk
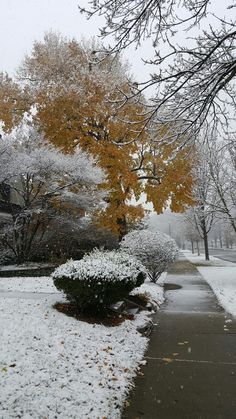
x: 192, y: 246
x: 122, y: 223
x: 206, y: 248
x: 221, y: 244
x: 198, y: 250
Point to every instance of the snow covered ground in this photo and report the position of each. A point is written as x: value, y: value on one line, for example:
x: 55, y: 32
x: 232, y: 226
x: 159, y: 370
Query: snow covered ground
x: 223, y: 282
x: 28, y: 284
x: 200, y: 260
x: 221, y: 276
x: 53, y: 366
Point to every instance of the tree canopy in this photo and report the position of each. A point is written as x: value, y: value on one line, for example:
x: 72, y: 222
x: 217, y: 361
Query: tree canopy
x: 193, y: 54
x: 75, y: 95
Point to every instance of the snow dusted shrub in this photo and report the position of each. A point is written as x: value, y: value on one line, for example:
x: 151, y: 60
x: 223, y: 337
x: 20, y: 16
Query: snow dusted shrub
x: 154, y: 249
x: 99, y: 279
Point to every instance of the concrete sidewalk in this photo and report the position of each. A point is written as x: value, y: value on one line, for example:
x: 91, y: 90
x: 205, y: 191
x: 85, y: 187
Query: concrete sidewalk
x: 191, y: 359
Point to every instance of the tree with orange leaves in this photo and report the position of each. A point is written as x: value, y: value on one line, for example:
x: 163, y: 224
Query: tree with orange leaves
x: 77, y: 92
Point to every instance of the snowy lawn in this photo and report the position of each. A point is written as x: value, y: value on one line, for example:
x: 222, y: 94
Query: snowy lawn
x: 223, y: 282
x: 200, y: 260
x: 28, y: 284
x: 221, y: 276
x: 53, y: 366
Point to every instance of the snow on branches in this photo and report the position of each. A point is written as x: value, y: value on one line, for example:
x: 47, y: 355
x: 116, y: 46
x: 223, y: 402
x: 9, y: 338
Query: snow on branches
x: 155, y: 250
x: 108, y: 266
x: 194, y: 77
x: 99, y: 279
x: 48, y: 171
x: 44, y: 183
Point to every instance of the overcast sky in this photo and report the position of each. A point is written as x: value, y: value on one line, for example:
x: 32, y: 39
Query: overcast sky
x: 23, y: 21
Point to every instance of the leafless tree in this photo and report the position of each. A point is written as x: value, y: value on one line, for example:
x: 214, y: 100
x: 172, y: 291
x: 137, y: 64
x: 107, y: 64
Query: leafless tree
x: 190, y: 231
x: 201, y: 216
x: 222, y: 233
x: 222, y: 172
x: 194, y: 82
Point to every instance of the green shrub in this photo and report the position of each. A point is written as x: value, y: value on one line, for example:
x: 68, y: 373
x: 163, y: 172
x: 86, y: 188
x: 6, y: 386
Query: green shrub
x: 99, y: 279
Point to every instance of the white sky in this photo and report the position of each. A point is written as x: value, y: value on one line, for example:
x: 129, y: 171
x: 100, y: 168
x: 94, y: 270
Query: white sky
x: 23, y: 21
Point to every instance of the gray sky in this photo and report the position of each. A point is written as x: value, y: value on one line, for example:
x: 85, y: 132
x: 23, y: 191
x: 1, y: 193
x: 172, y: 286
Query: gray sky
x: 23, y: 21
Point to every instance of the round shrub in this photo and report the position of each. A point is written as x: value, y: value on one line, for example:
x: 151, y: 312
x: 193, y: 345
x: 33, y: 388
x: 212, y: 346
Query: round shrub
x: 99, y: 279
x: 154, y: 249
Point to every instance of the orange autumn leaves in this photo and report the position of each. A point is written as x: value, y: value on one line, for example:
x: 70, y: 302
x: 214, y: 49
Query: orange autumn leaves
x: 13, y: 102
x: 78, y: 95
x: 175, y: 188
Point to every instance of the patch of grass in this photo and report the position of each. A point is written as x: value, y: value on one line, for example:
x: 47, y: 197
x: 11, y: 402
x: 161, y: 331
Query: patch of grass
x: 181, y: 267
x: 170, y: 287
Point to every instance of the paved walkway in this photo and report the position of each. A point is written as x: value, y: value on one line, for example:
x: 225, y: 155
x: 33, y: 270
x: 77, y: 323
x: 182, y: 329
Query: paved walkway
x: 191, y: 368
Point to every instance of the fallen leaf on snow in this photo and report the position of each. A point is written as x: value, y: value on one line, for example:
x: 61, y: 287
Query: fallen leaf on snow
x: 167, y: 359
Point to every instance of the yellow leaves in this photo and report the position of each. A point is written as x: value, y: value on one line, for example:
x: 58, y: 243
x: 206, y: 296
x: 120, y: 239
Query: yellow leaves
x: 83, y: 113
x: 59, y: 119
x: 118, y: 215
x: 77, y: 104
x: 176, y: 181
x: 13, y: 102
x: 168, y: 360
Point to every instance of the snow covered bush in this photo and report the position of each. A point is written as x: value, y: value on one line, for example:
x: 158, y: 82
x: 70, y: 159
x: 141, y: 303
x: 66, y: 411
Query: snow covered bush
x: 154, y: 249
x: 99, y: 279
x: 46, y: 186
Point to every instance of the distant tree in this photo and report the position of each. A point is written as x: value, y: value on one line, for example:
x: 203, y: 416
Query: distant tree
x: 222, y: 171
x: 222, y: 233
x: 229, y: 236
x: 49, y: 185
x: 190, y: 231
x: 202, y: 214
x: 194, y: 80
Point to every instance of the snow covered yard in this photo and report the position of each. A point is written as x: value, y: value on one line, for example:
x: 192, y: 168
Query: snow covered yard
x: 222, y: 280
x: 221, y: 276
x: 200, y: 260
x: 28, y: 284
x: 53, y: 366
